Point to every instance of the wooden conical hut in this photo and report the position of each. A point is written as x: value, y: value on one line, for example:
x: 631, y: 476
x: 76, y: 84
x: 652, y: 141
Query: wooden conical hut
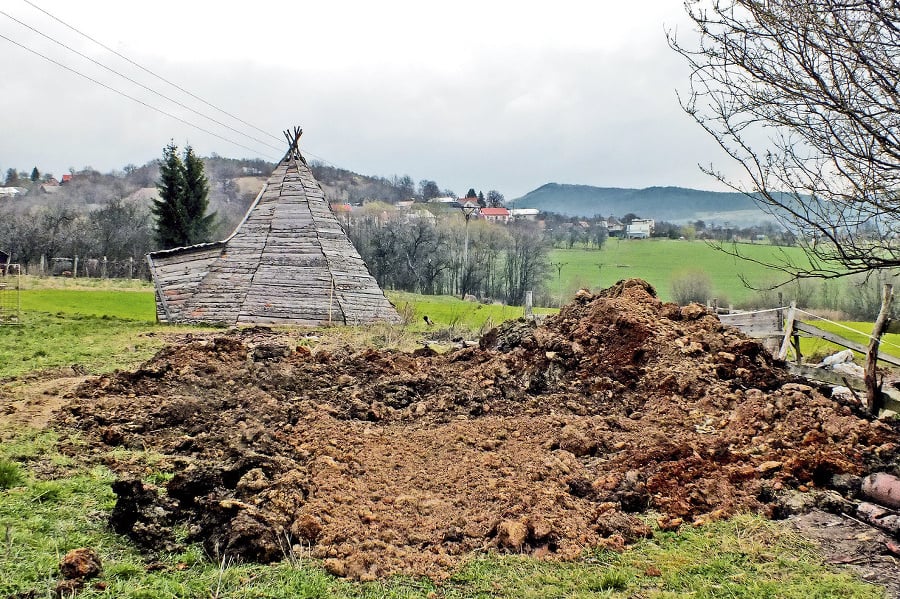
x: 288, y: 262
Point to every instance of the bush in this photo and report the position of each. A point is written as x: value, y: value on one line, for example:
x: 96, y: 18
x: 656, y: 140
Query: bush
x: 862, y: 300
x: 691, y: 286
x: 10, y: 474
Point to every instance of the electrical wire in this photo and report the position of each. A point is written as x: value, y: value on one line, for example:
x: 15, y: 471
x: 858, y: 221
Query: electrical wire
x: 157, y: 76
x: 148, y: 71
x: 138, y: 83
x: 123, y: 94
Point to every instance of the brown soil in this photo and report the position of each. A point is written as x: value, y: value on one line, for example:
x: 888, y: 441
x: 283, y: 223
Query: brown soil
x: 32, y: 400
x: 544, y: 440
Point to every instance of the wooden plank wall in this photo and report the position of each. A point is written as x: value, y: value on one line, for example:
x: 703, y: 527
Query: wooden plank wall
x: 177, y: 275
x: 756, y: 324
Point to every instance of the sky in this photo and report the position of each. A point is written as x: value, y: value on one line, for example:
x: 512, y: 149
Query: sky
x: 484, y: 94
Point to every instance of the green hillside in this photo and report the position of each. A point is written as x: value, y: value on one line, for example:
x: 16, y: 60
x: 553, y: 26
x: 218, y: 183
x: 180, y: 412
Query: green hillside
x: 660, y: 203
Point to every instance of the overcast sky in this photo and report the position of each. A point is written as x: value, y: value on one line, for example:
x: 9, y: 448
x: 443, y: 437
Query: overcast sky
x: 490, y: 95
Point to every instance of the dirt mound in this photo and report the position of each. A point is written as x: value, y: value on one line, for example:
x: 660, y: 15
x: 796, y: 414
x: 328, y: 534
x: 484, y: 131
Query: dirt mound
x: 544, y: 439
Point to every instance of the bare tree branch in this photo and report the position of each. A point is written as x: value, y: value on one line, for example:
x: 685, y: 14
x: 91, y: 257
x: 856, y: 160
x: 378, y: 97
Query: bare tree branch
x: 803, y: 95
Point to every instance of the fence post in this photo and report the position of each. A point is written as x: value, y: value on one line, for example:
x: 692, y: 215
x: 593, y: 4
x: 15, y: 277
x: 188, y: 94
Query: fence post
x: 130, y: 267
x: 103, y: 272
x: 75, y: 267
x: 529, y: 305
x: 874, y: 400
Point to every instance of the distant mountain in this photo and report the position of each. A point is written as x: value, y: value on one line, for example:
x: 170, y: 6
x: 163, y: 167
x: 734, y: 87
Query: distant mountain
x: 674, y: 204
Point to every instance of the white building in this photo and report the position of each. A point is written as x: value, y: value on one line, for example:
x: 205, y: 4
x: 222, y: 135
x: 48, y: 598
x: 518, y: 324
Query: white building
x: 524, y: 213
x: 640, y: 228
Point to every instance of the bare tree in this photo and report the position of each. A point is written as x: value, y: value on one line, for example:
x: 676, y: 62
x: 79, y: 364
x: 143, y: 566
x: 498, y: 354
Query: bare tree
x: 803, y: 94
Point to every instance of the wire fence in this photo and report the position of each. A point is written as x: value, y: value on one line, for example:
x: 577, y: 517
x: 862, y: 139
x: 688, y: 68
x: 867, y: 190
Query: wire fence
x: 96, y: 268
x: 10, y: 299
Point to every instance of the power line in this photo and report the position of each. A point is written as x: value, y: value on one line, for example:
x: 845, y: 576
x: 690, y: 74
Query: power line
x: 121, y: 93
x: 138, y: 83
x: 146, y: 70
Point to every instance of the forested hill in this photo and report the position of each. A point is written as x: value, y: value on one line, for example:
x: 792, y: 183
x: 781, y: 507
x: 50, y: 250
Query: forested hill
x: 660, y: 203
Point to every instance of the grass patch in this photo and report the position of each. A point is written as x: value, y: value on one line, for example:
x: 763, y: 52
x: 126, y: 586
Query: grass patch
x: 743, y: 558
x: 108, y: 303
x: 452, y: 312
x: 96, y: 343
x: 658, y: 261
x: 10, y: 474
x: 854, y: 331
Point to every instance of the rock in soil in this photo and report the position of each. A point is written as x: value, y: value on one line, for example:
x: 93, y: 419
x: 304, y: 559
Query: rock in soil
x: 542, y: 440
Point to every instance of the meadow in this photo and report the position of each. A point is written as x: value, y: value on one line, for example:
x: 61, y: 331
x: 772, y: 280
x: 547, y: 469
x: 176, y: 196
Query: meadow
x: 659, y: 261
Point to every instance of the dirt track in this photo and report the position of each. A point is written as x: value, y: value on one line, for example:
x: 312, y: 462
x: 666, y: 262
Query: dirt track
x: 544, y: 440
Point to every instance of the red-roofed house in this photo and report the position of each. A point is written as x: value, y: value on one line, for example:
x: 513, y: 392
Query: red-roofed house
x: 497, y: 215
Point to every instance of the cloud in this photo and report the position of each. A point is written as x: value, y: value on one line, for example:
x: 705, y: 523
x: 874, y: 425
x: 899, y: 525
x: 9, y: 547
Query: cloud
x: 478, y: 97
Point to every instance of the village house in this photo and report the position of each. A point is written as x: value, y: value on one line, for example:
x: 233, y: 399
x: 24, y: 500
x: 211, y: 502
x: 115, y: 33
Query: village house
x: 495, y: 215
x: 640, y: 228
x: 524, y: 213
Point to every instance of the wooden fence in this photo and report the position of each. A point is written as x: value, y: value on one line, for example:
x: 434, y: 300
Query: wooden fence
x: 780, y: 329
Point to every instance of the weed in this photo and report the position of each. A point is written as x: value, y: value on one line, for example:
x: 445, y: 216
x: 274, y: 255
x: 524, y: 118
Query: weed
x: 611, y: 580
x: 10, y: 474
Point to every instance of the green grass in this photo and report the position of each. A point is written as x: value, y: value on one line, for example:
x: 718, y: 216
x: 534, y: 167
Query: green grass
x: 853, y: 331
x: 97, y: 343
x: 449, y: 311
x: 111, y: 303
x: 743, y: 558
x: 43, y: 518
x: 659, y: 261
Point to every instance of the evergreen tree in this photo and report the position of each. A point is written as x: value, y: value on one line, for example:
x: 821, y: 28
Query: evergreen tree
x: 196, y: 198
x: 172, y: 228
x: 12, y: 178
x: 35, y: 175
x: 471, y: 193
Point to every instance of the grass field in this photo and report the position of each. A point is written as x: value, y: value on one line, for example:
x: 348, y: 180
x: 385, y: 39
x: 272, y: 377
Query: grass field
x: 658, y: 261
x: 50, y: 504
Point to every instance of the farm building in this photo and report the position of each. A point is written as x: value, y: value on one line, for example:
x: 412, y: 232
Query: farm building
x: 288, y: 262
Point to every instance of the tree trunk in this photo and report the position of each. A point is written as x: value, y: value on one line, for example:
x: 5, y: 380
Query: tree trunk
x: 874, y: 400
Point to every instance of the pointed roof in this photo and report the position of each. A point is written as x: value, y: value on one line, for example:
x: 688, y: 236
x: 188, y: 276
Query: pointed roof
x: 288, y: 262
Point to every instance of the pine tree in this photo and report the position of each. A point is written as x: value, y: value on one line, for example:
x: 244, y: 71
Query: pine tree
x: 171, y: 217
x: 35, y: 175
x: 196, y: 198
x: 180, y: 211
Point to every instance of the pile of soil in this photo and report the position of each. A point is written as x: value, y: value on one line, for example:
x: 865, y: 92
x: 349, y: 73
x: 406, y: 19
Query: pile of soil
x: 544, y: 439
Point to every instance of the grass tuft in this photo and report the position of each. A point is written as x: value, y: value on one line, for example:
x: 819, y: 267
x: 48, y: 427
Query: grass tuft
x: 10, y: 474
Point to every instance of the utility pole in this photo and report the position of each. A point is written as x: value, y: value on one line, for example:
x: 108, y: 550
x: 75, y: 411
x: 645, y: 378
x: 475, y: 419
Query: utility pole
x: 468, y: 210
x: 559, y: 266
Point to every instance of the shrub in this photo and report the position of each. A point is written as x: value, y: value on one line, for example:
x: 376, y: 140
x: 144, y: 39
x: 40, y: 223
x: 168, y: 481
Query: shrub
x: 691, y: 286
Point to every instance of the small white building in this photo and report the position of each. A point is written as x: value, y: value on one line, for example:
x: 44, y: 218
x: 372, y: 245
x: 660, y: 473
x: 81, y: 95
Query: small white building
x: 11, y: 192
x: 640, y: 228
x: 524, y: 213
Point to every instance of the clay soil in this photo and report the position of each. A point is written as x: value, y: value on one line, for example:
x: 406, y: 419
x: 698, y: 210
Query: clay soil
x: 544, y: 439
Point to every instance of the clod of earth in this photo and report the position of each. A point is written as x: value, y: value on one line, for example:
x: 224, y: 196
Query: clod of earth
x: 80, y: 564
x: 543, y: 439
